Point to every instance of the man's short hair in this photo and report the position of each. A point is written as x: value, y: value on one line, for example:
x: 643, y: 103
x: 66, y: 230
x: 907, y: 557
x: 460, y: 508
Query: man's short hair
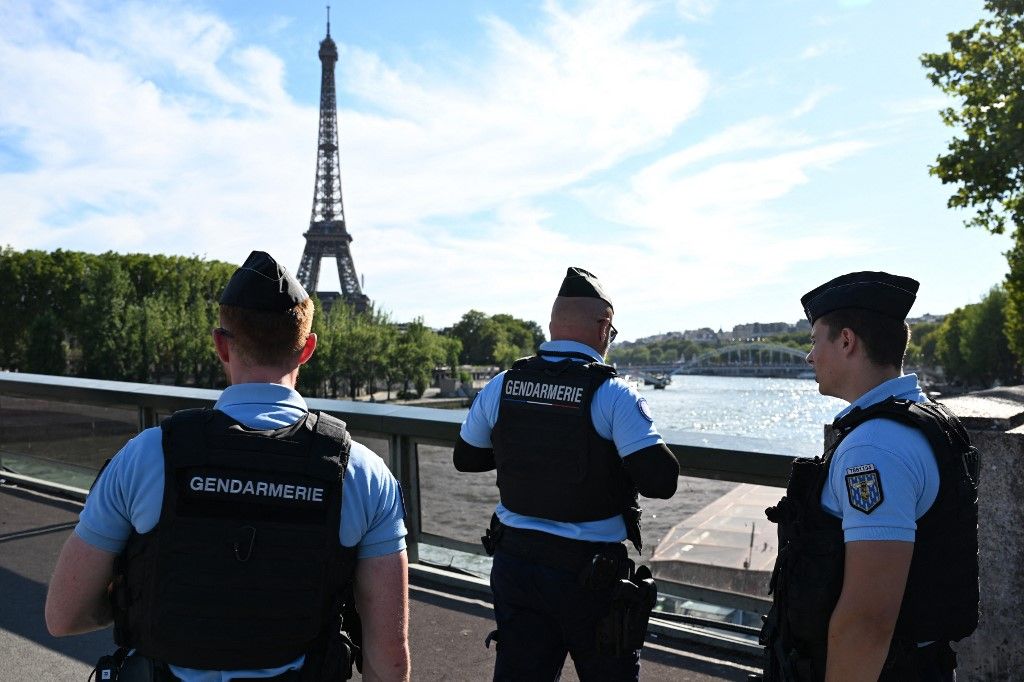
x: 885, y: 338
x: 268, y: 338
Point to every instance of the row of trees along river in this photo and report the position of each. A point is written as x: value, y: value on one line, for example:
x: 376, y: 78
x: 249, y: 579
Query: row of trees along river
x: 148, y: 318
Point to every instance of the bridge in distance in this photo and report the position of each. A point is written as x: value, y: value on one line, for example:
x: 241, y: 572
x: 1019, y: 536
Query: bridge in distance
x: 737, y: 360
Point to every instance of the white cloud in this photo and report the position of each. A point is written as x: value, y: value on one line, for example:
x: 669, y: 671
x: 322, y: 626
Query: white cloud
x: 542, y: 113
x: 708, y: 219
x: 816, y: 50
x: 156, y: 128
x: 695, y: 10
x: 164, y: 108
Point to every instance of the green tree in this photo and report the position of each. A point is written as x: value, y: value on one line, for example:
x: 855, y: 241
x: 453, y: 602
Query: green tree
x: 109, y: 335
x: 359, y: 348
x: 314, y: 375
x: 46, y: 352
x: 478, y: 336
x: 506, y: 353
x: 984, y: 70
x: 486, y: 338
x: 418, y: 352
x: 985, y: 351
x: 970, y: 350
x: 452, y: 350
x: 919, y: 333
x: 948, y: 346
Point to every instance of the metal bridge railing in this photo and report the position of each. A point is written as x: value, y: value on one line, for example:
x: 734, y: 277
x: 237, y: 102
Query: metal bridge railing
x: 405, y: 430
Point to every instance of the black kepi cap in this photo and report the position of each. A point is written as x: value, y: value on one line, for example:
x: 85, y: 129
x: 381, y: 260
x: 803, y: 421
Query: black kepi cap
x: 580, y: 283
x: 263, y: 284
x: 880, y: 292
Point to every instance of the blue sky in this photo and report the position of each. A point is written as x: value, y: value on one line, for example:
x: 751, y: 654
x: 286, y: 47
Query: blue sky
x: 709, y: 160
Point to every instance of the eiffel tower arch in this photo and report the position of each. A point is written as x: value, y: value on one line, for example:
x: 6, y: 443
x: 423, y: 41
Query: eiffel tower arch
x: 328, y: 236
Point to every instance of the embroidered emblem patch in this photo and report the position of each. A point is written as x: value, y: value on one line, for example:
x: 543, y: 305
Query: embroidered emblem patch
x: 645, y: 409
x: 864, y: 486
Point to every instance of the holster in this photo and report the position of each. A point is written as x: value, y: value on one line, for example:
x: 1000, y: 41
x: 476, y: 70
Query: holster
x: 332, y: 661
x: 633, y: 598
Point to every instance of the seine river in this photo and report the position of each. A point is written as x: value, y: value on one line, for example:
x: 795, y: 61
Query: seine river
x: 781, y: 416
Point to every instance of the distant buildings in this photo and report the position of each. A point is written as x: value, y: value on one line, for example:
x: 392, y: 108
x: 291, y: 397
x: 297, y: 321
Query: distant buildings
x: 757, y: 330
x: 702, y: 335
x: 751, y: 330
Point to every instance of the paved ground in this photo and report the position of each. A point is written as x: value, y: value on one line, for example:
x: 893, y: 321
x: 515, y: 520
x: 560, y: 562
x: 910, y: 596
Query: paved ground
x: 446, y: 634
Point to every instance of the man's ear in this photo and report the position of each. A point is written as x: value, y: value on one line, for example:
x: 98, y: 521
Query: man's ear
x: 307, y: 350
x: 220, y: 342
x: 849, y: 342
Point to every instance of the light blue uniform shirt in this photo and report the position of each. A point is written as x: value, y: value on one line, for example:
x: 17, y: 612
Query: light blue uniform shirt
x: 619, y: 414
x: 902, y: 460
x: 129, y: 494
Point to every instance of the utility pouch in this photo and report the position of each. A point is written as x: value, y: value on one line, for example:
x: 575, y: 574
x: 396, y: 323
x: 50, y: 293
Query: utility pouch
x: 109, y: 666
x: 631, y: 514
x: 492, y: 536
x: 602, y: 572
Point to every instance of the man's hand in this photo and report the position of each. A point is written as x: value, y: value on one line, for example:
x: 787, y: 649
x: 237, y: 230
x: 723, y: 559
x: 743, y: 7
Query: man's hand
x: 382, y: 599
x: 863, y: 621
x: 77, y: 600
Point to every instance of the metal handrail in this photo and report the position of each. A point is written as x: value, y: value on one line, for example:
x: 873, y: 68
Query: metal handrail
x: 405, y: 427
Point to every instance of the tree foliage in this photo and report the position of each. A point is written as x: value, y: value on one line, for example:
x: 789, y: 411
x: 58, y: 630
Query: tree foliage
x: 500, y: 339
x: 969, y: 346
x: 357, y: 351
x: 136, y: 317
x: 984, y: 71
x: 110, y: 316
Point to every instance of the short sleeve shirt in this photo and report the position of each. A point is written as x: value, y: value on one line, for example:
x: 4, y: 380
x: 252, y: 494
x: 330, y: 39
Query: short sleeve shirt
x: 619, y: 413
x: 129, y: 494
x: 883, y: 476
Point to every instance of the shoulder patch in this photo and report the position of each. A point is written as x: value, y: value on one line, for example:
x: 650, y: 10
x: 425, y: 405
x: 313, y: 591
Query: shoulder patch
x: 864, y: 487
x: 645, y: 409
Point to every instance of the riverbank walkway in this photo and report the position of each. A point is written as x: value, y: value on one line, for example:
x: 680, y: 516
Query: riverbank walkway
x: 446, y: 634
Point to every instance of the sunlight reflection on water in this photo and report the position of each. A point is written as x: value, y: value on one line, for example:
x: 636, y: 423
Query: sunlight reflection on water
x: 782, y: 416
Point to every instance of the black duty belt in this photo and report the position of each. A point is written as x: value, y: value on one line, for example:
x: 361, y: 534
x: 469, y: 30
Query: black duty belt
x: 552, y: 550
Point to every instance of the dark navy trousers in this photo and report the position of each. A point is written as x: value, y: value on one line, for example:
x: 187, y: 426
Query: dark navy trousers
x: 543, y: 613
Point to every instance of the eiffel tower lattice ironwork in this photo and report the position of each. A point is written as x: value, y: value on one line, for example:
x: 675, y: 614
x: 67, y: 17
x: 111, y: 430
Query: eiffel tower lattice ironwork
x: 327, y: 236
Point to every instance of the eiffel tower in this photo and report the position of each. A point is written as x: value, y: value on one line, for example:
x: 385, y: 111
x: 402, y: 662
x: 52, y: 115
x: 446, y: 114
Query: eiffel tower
x: 327, y: 236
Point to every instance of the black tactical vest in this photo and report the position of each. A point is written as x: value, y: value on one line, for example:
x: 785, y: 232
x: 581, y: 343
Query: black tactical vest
x: 551, y: 462
x: 244, y: 568
x: 941, y: 598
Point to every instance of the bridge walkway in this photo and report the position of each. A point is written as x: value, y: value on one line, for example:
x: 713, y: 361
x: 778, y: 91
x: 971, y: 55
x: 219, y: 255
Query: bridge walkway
x: 446, y: 635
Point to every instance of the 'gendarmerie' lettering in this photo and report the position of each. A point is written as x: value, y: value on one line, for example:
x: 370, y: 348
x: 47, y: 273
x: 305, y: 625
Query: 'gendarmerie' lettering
x: 235, y: 486
x: 535, y: 389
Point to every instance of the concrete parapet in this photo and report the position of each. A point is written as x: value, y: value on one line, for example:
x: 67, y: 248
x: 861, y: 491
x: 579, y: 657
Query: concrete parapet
x: 995, y: 419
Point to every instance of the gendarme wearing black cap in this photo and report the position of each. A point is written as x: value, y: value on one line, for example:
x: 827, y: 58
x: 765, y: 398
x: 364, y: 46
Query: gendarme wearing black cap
x: 880, y: 292
x: 583, y: 284
x: 261, y: 283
